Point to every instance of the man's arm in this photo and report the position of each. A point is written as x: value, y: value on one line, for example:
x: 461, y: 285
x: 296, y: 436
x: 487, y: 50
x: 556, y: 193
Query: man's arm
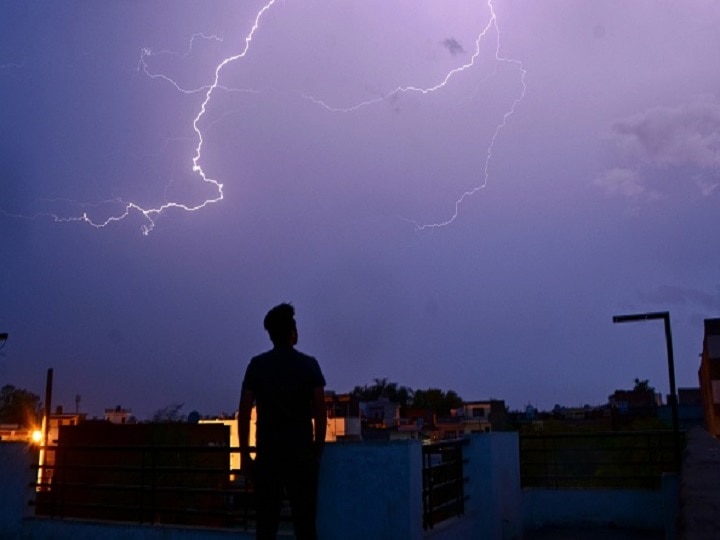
x: 247, y: 399
x: 320, y: 418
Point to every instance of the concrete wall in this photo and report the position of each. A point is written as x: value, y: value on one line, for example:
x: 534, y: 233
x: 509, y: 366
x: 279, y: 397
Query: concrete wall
x: 16, y: 476
x: 636, y: 509
x: 374, y: 490
x: 700, y: 487
x: 495, y: 496
x: 371, y: 490
x: 367, y: 490
x: 494, y: 505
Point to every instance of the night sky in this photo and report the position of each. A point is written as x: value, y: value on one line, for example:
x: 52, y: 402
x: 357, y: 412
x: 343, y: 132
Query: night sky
x: 585, y: 135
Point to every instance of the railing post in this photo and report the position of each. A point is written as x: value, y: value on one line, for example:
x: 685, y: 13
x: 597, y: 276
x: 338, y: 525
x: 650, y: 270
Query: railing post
x: 153, y: 480
x: 59, y: 463
x: 554, y: 456
x: 142, y: 490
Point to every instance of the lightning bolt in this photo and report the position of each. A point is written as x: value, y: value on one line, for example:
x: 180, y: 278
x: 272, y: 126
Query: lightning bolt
x: 146, y: 52
x: 499, y: 58
x: 151, y: 214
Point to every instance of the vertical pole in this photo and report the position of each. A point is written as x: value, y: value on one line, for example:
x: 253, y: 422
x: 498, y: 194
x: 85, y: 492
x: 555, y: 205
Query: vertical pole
x: 665, y: 316
x: 48, y: 405
x: 673, y: 392
x: 42, y: 472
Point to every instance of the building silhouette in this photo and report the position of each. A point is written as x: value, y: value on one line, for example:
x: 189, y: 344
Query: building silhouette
x: 709, y: 375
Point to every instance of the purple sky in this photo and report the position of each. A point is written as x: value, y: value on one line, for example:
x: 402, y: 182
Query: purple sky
x: 601, y: 194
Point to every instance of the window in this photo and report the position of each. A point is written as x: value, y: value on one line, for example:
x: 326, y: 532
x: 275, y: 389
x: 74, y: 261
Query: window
x: 478, y: 412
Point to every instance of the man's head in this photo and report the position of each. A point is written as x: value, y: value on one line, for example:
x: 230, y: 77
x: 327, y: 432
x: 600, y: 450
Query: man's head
x: 280, y: 324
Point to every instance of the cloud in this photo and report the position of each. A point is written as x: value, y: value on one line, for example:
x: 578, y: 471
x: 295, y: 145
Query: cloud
x: 685, y: 138
x: 454, y: 46
x: 688, y: 134
x: 624, y: 182
x: 706, y: 186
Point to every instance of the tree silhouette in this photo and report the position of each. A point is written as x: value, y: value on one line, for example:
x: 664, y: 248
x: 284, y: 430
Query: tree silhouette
x: 169, y: 413
x: 643, y: 386
x: 19, y: 406
x: 432, y: 399
x: 402, y: 395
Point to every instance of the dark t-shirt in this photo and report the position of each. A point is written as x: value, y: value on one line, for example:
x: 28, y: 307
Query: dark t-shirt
x: 282, y: 381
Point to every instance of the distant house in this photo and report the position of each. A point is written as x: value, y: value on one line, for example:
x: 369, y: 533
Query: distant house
x: 408, y: 428
x: 531, y: 413
x: 473, y: 417
x: 16, y: 433
x: 422, y: 419
x: 60, y: 419
x: 628, y: 406
x: 637, y: 402
x: 690, y: 409
x: 448, y: 428
x: 575, y: 413
x: 586, y: 417
x: 12, y: 432
x: 233, y: 427
x: 118, y: 415
x: 382, y: 413
x: 709, y: 375
x: 343, y: 417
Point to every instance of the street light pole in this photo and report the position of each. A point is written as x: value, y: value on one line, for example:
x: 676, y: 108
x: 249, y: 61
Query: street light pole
x: 665, y: 316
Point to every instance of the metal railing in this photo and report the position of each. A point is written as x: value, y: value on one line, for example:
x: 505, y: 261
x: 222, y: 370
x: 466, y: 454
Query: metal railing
x: 194, y: 485
x: 443, y: 481
x: 189, y: 485
x: 629, y: 460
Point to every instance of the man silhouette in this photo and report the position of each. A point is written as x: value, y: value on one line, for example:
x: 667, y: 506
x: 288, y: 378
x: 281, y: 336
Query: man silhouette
x: 288, y: 389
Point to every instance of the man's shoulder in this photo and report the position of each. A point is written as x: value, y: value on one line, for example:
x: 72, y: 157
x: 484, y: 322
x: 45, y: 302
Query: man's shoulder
x: 282, y: 355
x: 305, y: 357
x: 259, y: 362
x: 312, y: 368
x: 260, y: 357
x: 275, y: 359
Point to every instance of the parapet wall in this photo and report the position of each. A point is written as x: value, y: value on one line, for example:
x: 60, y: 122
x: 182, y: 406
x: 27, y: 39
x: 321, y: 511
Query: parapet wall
x: 374, y: 490
x: 603, y: 508
x: 371, y: 490
x: 700, y: 487
x: 16, y: 477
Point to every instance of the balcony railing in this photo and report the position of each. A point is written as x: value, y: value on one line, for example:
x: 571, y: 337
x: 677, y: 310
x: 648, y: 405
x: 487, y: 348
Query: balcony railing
x: 144, y: 484
x: 443, y: 481
x: 194, y: 485
x: 627, y: 460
